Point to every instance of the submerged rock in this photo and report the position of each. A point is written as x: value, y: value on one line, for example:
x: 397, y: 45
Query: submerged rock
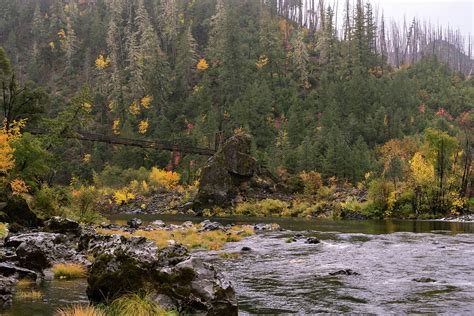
x: 344, y: 272
x: 424, y: 280
x: 176, y: 280
x: 226, y: 173
x: 312, y: 240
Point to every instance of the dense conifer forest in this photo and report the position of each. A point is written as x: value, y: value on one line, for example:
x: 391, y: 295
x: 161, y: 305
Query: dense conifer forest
x: 365, y: 103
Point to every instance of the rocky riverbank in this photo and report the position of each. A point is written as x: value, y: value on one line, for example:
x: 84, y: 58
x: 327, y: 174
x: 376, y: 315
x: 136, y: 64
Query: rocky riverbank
x: 127, y: 259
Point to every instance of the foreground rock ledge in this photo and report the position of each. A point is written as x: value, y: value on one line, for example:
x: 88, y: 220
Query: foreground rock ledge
x: 176, y: 280
x: 122, y: 265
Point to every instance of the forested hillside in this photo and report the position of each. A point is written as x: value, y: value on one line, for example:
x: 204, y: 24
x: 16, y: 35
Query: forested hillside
x: 322, y: 104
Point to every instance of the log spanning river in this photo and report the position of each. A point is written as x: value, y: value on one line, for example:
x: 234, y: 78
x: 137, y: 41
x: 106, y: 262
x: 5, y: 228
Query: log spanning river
x: 379, y: 267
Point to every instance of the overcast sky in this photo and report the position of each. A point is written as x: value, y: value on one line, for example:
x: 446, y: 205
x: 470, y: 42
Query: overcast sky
x: 458, y: 14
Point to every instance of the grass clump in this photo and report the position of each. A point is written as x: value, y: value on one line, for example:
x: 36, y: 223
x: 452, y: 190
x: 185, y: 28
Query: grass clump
x: 80, y: 310
x: 29, y: 295
x: 25, y: 283
x: 137, y: 305
x: 69, y: 271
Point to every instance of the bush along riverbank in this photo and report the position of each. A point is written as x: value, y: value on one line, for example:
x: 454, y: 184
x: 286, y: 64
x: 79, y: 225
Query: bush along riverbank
x: 149, y: 266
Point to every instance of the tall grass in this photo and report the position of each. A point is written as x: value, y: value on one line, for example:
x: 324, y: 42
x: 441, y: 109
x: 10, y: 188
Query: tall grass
x: 69, y: 271
x: 137, y: 305
x: 80, y: 310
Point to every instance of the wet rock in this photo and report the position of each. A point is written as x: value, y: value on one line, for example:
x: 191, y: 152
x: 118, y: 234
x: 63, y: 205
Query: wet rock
x: 207, y: 225
x: 266, y: 227
x: 40, y: 250
x: 424, y: 280
x: 8, y: 269
x: 312, y: 240
x: 62, y: 225
x: 134, y: 223
x: 344, y: 272
x: 16, y: 210
x: 130, y: 264
x: 6, y: 291
x: 226, y: 174
x: 246, y: 249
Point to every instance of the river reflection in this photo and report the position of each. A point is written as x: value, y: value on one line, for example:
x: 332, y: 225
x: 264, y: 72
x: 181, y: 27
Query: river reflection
x: 326, y: 225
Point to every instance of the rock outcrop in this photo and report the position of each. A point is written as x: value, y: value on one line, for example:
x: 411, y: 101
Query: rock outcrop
x: 176, y: 280
x: 226, y: 174
x: 122, y: 265
x: 62, y: 225
x: 16, y: 210
x: 40, y: 250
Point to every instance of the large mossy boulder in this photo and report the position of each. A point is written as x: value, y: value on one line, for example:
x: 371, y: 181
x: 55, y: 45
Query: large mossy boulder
x: 16, y: 210
x: 62, y: 225
x: 175, y: 280
x: 226, y: 173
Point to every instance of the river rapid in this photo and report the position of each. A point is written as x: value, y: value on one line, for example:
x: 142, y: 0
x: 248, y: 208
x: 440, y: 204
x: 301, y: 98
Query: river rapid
x: 396, y: 267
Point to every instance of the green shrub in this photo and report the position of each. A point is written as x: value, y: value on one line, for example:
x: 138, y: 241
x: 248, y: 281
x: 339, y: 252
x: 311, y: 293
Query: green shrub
x: 379, y: 193
x: 46, y: 201
x: 267, y: 207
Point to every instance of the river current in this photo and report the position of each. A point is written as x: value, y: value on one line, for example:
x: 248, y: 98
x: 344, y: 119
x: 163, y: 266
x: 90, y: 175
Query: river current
x: 385, y: 268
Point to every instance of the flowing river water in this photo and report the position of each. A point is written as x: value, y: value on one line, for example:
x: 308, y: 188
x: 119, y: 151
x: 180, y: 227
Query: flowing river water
x: 398, y: 267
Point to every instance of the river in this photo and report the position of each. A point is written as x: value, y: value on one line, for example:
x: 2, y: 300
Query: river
x: 399, y: 267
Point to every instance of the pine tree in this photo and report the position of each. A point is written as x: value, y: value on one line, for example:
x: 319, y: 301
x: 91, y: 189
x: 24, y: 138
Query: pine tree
x: 186, y: 61
x: 300, y: 58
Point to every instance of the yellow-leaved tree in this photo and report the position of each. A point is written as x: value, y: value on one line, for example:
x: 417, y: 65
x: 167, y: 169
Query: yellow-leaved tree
x: 422, y: 170
x: 8, y: 134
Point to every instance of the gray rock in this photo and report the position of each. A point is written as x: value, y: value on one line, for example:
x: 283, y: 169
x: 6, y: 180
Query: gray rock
x: 130, y: 264
x: 312, y: 240
x: 6, y: 291
x: 40, y: 250
x: 134, y: 223
x: 207, y: 225
x: 158, y: 223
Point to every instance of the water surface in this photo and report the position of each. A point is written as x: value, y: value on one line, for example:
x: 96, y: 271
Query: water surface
x: 278, y: 277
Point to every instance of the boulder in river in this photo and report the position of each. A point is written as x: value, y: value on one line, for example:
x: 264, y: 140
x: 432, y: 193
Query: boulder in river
x: 226, y: 174
x: 127, y: 265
